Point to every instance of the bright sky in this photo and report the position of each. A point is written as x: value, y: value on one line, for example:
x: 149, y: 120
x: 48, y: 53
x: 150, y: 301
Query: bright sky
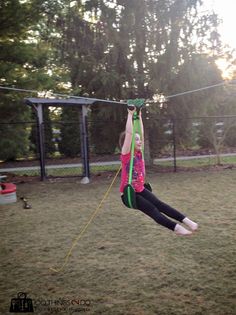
x: 226, y: 10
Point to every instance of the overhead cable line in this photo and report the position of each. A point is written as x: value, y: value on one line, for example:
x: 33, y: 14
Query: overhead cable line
x: 201, y: 89
x: 61, y: 95
x: 121, y: 102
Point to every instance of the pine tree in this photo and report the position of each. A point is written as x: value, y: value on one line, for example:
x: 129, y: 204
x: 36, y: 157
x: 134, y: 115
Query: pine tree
x: 22, y: 65
x: 69, y: 144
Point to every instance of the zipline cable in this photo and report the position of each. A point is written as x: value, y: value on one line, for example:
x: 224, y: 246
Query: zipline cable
x: 200, y: 89
x: 116, y: 102
x: 64, y: 95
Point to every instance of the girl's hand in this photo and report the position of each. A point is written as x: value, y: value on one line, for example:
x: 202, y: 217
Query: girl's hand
x: 131, y: 109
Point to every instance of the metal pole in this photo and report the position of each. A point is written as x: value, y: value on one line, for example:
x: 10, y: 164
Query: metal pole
x: 40, y: 124
x: 174, y: 143
x: 85, y: 145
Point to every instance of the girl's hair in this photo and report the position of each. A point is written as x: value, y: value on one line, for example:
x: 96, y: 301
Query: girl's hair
x: 122, y: 138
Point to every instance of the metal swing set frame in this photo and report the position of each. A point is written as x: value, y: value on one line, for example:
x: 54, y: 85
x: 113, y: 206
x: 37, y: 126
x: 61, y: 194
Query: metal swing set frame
x: 83, y: 103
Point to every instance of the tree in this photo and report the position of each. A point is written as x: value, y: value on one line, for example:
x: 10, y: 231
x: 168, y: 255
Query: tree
x: 219, y: 131
x: 22, y: 64
x: 69, y: 144
x: 202, y: 103
x: 14, y: 135
x: 124, y: 49
x: 214, y: 134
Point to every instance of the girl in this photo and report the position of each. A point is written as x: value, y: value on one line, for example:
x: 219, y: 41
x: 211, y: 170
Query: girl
x: 146, y: 201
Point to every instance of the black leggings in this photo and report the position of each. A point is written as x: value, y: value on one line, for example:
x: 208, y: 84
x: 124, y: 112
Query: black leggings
x: 149, y: 204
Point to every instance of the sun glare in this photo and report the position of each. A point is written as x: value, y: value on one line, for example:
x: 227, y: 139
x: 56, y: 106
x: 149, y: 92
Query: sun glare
x: 226, y: 68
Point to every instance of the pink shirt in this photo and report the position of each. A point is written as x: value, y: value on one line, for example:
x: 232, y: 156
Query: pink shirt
x: 138, y: 175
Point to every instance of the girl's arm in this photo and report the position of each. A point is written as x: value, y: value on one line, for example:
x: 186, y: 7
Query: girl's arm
x: 128, y: 133
x: 141, y: 126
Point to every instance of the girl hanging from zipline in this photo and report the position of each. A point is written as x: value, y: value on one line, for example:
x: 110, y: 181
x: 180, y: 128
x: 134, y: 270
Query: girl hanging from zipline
x: 133, y: 182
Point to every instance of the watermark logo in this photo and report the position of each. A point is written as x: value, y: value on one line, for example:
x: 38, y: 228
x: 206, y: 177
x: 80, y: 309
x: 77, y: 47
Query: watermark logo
x: 21, y: 304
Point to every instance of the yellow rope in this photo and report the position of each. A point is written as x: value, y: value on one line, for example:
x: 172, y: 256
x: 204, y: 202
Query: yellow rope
x: 86, y: 225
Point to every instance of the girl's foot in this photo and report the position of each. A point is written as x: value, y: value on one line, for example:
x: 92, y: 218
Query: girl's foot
x: 179, y: 230
x: 192, y: 225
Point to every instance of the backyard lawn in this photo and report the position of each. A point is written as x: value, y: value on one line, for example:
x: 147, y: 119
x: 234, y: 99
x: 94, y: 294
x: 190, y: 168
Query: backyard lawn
x: 124, y: 263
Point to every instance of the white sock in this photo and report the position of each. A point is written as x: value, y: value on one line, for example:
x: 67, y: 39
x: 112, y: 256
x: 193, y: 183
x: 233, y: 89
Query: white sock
x: 179, y: 230
x: 192, y: 225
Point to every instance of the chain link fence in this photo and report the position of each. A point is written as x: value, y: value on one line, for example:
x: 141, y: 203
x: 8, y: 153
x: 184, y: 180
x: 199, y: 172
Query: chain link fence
x: 194, y: 142
x: 62, y: 148
x: 173, y: 144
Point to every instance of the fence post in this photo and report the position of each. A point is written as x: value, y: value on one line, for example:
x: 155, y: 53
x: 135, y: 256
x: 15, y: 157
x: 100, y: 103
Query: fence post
x: 174, y: 143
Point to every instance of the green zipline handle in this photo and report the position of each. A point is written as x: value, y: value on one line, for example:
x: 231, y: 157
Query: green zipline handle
x: 138, y: 102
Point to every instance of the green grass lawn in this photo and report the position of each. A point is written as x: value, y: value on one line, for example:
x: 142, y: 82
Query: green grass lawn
x: 125, y: 264
x: 94, y: 169
x: 67, y: 171
x: 199, y: 162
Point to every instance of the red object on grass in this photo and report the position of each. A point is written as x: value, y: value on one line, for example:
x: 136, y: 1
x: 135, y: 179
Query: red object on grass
x: 7, y: 188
